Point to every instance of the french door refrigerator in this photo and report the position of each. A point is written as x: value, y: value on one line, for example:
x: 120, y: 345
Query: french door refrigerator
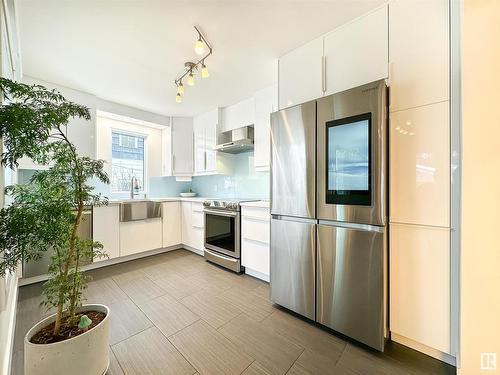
x: 329, y: 208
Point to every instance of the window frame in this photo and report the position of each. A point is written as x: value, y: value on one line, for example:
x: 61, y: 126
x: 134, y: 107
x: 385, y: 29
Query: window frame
x: 121, y: 131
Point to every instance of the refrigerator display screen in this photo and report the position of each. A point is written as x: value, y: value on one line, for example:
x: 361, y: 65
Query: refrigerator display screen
x: 348, y: 147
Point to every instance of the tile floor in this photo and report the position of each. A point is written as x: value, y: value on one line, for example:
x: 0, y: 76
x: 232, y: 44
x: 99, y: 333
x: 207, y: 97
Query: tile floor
x: 174, y: 313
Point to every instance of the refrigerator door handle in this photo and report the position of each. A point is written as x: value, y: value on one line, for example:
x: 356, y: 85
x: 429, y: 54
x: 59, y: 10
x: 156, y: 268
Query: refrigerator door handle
x: 342, y: 224
x: 294, y: 219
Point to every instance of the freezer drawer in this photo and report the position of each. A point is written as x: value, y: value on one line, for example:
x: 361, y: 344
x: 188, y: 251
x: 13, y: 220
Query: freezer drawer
x: 293, y: 171
x: 351, y: 291
x: 293, y: 264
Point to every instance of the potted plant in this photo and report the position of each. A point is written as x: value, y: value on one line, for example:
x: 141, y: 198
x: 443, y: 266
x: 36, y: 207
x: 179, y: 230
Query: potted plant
x: 45, y: 215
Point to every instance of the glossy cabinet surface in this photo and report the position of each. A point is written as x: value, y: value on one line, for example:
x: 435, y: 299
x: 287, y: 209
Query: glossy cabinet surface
x: 418, y: 53
x: 420, y: 284
x: 193, y: 225
x: 141, y: 235
x: 182, y: 146
x: 300, y: 74
x: 106, y: 230
x: 420, y: 165
x: 255, y: 241
x: 238, y: 115
x: 171, y: 218
x: 357, y: 53
x: 266, y: 102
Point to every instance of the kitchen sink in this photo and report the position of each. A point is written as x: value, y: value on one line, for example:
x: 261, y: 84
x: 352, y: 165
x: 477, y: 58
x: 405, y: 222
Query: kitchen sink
x: 139, y: 210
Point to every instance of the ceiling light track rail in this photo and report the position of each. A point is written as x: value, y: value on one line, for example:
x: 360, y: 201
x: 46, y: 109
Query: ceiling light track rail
x: 192, y: 67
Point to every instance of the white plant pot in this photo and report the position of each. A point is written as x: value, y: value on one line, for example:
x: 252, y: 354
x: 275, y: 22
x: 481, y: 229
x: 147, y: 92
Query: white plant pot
x: 85, y: 354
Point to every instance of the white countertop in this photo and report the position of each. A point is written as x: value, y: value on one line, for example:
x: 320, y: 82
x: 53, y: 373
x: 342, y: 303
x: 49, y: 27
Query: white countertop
x: 261, y: 203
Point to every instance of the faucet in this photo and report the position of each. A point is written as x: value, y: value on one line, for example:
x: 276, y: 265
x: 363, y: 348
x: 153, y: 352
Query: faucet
x: 132, y: 187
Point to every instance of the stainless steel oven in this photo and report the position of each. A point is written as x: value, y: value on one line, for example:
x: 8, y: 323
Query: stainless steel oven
x: 222, y: 234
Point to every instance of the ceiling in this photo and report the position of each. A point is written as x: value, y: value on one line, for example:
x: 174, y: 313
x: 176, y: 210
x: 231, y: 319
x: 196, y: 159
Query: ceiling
x: 130, y: 51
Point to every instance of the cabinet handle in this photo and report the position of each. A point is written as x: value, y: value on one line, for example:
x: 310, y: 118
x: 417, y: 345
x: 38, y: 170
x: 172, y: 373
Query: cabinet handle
x: 323, y: 74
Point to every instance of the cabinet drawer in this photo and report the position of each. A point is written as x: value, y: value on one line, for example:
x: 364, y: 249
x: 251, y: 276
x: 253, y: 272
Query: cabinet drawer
x: 255, y: 255
x: 197, y: 206
x: 197, y: 219
x: 255, y: 213
x: 255, y: 230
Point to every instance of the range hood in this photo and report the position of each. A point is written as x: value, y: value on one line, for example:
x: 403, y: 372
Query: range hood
x: 236, y: 141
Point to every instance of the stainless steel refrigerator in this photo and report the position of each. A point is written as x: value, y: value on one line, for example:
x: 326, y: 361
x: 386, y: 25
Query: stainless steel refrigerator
x: 329, y: 211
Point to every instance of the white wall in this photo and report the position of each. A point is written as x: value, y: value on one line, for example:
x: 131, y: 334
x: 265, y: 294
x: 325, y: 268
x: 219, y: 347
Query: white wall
x: 480, y: 256
x: 153, y: 144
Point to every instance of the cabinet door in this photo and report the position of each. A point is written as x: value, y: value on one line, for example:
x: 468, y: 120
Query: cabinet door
x: 300, y: 74
x: 420, y: 166
x: 106, y: 230
x: 139, y: 236
x: 238, y: 115
x: 171, y: 215
x: 199, y: 145
x: 186, y: 224
x: 210, y: 143
x: 182, y: 146
x: 265, y: 104
x: 419, y: 53
x: 420, y: 284
x: 357, y: 53
x: 166, y: 151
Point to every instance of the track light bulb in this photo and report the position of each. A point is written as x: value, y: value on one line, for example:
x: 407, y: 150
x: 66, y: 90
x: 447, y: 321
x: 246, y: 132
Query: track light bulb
x: 204, y: 71
x: 180, y: 88
x: 178, y: 98
x: 190, y: 79
x: 199, y: 47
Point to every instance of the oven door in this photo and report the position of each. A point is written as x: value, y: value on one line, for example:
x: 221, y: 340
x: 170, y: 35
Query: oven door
x: 352, y: 155
x: 222, y: 232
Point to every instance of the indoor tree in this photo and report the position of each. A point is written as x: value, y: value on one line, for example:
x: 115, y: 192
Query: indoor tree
x: 45, y: 213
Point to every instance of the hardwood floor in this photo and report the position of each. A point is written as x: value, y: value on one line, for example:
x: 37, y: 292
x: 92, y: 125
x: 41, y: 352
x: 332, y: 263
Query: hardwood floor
x: 174, y: 313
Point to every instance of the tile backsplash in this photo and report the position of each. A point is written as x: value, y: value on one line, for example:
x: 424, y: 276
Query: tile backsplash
x: 243, y: 183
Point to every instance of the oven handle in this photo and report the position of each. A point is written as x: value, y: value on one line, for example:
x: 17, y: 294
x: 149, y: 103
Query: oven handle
x: 221, y: 213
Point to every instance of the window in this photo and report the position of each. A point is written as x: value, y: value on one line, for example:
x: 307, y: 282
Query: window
x: 127, y: 161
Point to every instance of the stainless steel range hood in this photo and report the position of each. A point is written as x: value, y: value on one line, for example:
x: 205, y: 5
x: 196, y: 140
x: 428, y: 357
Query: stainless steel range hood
x: 236, y: 141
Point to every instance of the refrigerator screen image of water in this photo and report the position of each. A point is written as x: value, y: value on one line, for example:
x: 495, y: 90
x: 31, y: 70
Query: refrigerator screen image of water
x: 329, y: 207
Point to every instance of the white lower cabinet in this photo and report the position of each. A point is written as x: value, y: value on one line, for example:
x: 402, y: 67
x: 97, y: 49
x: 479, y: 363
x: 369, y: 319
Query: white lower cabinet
x: 106, y: 230
x: 171, y: 218
x: 141, y: 235
x: 193, y: 226
x: 420, y: 285
x: 255, y: 239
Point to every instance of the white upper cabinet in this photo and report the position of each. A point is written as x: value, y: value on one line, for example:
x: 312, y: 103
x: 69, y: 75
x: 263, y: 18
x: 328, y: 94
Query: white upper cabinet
x: 238, y: 115
x: 182, y: 146
x: 420, y: 165
x: 357, y: 53
x: 166, y: 151
x: 206, y: 159
x: 419, y: 52
x: 300, y: 74
x: 266, y: 102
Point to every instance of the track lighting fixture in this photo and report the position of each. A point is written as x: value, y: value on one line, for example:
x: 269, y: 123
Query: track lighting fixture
x: 192, y: 67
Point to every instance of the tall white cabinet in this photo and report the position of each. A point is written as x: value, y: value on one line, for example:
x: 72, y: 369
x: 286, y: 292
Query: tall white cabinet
x: 420, y: 266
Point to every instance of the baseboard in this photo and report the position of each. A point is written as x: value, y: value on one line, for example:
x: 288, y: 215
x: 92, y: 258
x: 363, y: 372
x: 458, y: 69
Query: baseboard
x: 431, y: 352
x: 107, y: 262
x: 193, y: 249
x: 257, y: 274
x: 8, y: 326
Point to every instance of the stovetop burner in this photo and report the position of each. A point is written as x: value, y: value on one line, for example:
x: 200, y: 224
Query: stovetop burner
x: 233, y: 205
